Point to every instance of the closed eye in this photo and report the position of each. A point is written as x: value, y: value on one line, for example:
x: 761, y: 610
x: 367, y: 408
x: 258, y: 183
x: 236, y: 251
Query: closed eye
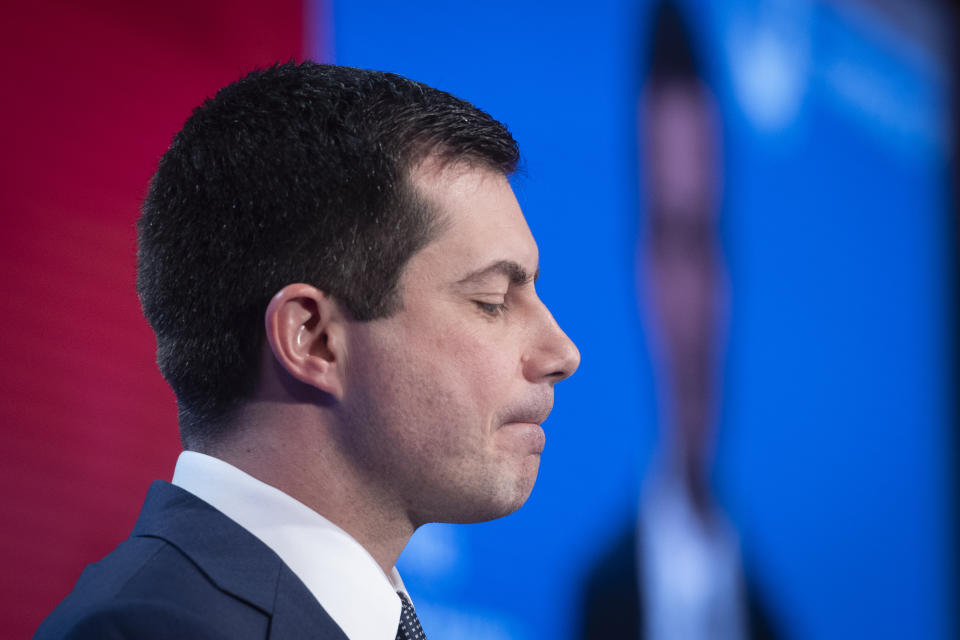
x: 492, y: 309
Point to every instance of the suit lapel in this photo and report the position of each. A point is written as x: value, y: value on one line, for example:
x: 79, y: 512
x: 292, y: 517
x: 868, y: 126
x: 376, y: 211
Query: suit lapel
x: 235, y: 560
x: 293, y: 615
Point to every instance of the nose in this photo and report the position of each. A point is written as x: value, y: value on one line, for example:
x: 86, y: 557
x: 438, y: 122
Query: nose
x: 551, y: 356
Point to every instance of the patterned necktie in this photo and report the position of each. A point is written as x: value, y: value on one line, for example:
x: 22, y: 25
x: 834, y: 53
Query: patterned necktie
x: 409, y: 628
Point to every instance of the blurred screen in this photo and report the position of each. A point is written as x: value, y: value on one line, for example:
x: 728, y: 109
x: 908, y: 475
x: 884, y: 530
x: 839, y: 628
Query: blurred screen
x: 833, y: 455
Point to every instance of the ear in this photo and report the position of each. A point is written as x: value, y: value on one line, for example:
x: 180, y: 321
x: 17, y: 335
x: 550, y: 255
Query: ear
x: 304, y: 328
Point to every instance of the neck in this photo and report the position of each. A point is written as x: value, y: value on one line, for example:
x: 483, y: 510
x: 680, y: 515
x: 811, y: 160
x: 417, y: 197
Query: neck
x: 689, y: 444
x: 280, y: 446
x: 695, y: 483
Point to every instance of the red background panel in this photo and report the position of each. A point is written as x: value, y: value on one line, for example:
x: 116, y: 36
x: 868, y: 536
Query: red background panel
x: 92, y: 96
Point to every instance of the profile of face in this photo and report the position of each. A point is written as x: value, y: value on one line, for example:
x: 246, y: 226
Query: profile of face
x: 446, y: 397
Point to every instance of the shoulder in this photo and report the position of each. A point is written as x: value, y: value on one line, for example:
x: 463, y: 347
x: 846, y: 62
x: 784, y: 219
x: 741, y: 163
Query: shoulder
x: 147, y: 588
x: 141, y: 620
x: 610, y: 599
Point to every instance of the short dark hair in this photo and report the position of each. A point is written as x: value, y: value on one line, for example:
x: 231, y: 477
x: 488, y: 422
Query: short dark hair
x: 294, y: 173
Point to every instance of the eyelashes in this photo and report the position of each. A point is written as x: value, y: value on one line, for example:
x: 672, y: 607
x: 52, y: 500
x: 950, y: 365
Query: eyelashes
x: 492, y: 309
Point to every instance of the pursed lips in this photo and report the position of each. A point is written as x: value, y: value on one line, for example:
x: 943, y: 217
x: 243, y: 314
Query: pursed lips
x: 534, y: 412
x: 529, y: 416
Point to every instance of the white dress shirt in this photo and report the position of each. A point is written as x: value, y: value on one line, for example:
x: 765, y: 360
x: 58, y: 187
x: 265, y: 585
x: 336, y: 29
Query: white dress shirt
x: 338, y: 571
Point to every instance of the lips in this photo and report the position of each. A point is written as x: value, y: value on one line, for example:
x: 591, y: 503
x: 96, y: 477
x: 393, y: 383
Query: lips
x: 533, y: 411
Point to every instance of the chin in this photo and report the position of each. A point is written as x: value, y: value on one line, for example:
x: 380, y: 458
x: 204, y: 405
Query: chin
x: 483, y: 506
x: 512, y: 493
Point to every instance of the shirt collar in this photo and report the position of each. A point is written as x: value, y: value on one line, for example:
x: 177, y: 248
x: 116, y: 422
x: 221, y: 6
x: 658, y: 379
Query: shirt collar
x: 338, y: 571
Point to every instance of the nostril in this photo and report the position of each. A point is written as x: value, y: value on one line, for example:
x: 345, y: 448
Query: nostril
x: 569, y: 362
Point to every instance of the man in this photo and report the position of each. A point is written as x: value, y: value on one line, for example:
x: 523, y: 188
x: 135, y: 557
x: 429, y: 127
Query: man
x: 676, y: 571
x: 341, y: 285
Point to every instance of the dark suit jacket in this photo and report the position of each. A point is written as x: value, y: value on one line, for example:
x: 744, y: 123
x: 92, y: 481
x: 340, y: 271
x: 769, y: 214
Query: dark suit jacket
x: 188, y: 571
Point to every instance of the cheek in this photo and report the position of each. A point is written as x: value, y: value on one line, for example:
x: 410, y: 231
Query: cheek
x: 478, y: 360
x: 448, y: 370
x: 483, y: 373
x: 425, y: 393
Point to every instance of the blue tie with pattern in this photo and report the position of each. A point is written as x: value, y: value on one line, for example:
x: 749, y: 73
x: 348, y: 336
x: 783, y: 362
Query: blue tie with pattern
x: 409, y: 628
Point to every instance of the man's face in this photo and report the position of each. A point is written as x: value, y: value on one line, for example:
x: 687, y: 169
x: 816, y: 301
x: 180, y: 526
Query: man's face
x: 684, y: 265
x: 445, y: 398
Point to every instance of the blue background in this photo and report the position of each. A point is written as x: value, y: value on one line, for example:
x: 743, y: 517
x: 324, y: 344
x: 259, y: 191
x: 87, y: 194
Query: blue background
x: 837, y: 425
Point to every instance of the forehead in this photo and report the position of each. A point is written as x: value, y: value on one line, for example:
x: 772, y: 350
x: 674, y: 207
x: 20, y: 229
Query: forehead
x: 479, y: 218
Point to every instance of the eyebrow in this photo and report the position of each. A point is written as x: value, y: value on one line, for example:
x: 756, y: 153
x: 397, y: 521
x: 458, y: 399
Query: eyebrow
x: 512, y: 270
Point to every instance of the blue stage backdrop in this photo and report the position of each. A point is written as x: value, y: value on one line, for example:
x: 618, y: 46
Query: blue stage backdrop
x: 837, y: 423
